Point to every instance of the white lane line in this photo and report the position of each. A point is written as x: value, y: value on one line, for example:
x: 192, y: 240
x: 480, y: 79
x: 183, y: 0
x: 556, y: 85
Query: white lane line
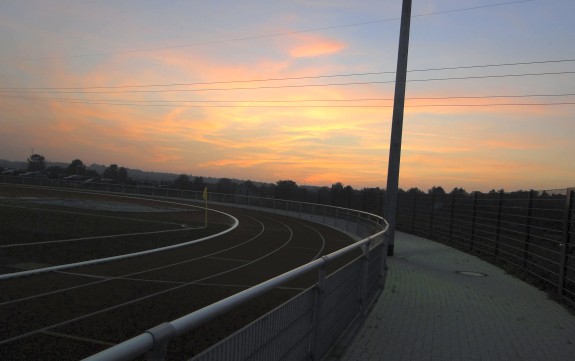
x: 92, y: 214
x: 84, y: 316
x: 306, y: 248
x: 83, y: 275
x: 235, y: 223
x: 77, y: 338
x: 95, y: 237
x: 322, y: 240
x: 229, y: 259
x: 136, y: 273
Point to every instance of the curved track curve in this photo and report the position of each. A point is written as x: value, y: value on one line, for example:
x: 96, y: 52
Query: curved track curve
x: 74, y: 313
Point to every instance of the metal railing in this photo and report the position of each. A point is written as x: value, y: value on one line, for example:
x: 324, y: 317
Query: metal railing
x: 533, y: 231
x: 304, y: 327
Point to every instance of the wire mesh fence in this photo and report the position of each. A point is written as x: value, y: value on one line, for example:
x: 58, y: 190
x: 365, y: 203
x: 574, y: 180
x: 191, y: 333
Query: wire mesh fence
x: 533, y: 231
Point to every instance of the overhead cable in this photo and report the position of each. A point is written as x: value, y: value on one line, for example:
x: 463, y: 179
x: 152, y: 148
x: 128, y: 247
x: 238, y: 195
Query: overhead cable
x: 129, y: 103
x: 255, y: 37
x: 282, y: 86
x: 288, y: 101
x: 289, y: 78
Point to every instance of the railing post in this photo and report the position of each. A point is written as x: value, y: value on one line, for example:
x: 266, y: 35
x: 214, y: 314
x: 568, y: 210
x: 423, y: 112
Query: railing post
x: 473, y: 217
x: 347, y: 220
x: 566, y: 235
x: 318, y: 309
x: 162, y: 335
x: 364, y: 273
x: 530, y: 196
x: 498, y: 224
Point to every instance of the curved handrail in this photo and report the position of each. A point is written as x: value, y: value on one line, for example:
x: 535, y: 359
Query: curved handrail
x: 155, y: 340
x: 146, y: 341
x: 234, y: 225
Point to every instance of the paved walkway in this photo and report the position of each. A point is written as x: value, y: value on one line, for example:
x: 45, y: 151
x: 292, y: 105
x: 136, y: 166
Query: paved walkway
x: 430, y: 312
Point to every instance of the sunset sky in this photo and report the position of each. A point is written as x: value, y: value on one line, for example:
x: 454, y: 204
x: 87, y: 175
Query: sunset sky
x: 299, y: 90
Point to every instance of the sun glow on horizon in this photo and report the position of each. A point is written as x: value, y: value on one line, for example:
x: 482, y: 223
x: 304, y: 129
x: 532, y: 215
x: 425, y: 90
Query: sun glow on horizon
x: 216, y: 110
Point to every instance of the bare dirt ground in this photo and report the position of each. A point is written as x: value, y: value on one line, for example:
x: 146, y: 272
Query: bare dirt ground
x: 71, y: 314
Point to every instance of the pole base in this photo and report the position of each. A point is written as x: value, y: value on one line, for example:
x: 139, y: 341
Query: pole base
x: 390, y: 249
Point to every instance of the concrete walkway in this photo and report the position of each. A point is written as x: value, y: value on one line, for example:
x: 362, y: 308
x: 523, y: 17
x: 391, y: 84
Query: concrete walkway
x: 430, y: 312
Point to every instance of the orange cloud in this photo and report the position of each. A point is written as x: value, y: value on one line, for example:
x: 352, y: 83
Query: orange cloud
x: 316, y: 47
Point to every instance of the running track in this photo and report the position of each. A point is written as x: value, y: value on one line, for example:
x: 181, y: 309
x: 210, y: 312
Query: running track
x: 71, y: 314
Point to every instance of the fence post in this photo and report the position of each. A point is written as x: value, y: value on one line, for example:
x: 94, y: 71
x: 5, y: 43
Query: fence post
x: 413, y: 212
x: 473, y: 217
x: 451, y: 218
x: 530, y: 196
x: 318, y: 308
x: 430, y: 231
x: 566, y: 235
x: 498, y: 224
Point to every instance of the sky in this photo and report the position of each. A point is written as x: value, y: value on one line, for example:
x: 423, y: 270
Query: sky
x: 299, y: 90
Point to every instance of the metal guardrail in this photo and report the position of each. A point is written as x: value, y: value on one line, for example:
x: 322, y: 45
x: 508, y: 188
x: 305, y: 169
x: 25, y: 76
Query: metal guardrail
x: 533, y: 231
x: 302, y: 328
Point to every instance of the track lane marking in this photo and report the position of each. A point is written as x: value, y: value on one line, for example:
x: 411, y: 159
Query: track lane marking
x: 98, y: 237
x: 135, y: 273
x: 110, y: 308
x: 78, y: 338
x: 229, y: 259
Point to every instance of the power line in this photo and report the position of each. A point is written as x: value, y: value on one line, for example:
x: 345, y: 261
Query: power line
x: 214, y: 42
x: 286, y: 101
x: 289, y: 78
x: 284, y: 86
x: 129, y: 103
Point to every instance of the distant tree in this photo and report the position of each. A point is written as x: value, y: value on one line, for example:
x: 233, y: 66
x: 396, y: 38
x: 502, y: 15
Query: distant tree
x: 198, y: 184
x: 268, y: 190
x: 286, y: 189
x: 248, y: 188
x: 225, y: 185
x: 337, y: 194
x: 112, y: 172
x: 76, y: 167
x: 183, y: 182
x: 123, y: 175
x: 324, y: 195
x: 36, y: 162
x: 92, y: 173
x: 436, y: 190
x: 53, y: 172
x: 348, y: 194
x: 459, y: 191
x: 414, y: 190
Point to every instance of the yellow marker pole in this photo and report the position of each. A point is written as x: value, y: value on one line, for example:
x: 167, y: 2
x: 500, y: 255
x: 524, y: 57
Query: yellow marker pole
x: 205, y: 196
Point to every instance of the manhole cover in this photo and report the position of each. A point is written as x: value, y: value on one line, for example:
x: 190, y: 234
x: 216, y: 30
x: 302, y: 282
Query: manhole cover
x: 471, y: 274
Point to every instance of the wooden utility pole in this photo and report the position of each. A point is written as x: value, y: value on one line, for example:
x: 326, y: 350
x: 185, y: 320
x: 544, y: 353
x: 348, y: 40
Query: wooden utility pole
x: 397, y: 126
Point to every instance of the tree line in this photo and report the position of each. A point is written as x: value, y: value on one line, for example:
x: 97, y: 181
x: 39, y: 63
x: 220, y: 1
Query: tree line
x: 338, y: 194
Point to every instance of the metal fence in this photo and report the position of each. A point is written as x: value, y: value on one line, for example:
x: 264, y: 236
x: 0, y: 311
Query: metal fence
x: 303, y: 328
x: 533, y: 231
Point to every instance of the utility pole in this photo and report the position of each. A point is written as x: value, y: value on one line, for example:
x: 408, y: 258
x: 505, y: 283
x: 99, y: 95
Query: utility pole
x: 397, y: 126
